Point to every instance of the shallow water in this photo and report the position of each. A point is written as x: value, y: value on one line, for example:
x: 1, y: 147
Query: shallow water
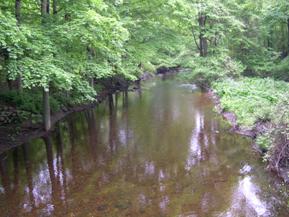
x: 159, y: 152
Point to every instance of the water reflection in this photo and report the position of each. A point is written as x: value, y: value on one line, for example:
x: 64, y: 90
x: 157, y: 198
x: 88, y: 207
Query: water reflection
x: 246, y: 200
x: 30, y: 204
x: 5, y: 188
x: 161, y: 152
x: 195, y: 153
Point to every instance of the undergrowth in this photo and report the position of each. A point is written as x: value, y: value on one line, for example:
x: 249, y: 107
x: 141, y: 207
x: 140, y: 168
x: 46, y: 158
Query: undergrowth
x: 252, y: 99
x: 204, y: 71
x: 27, y: 101
x: 255, y: 101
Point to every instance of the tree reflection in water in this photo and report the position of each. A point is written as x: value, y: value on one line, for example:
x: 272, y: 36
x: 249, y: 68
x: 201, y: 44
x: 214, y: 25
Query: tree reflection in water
x: 163, y: 152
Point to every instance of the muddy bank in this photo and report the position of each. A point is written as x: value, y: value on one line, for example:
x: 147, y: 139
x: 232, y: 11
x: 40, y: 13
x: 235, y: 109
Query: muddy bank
x: 168, y: 70
x: 258, y: 129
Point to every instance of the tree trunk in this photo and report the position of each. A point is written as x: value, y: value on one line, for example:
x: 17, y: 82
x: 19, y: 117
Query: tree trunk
x: 9, y: 84
x: 91, y: 81
x: 19, y: 83
x: 54, y: 6
x: 46, y: 105
x: 288, y: 33
x: 110, y: 102
x: 18, y: 19
x: 268, y: 42
x: 48, y: 7
x: 18, y: 10
x: 202, y: 38
x: 43, y: 8
x: 29, y: 177
x: 216, y: 40
x: 46, y: 110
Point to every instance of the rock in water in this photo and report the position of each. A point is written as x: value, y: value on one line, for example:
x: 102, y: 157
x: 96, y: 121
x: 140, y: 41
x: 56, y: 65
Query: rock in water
x: 189, y: 86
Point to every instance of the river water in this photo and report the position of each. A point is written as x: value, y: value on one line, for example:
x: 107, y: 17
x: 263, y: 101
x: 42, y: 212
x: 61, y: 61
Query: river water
x: 162, y: 151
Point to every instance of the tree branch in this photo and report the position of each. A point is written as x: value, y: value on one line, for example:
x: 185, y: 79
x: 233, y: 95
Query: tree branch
x: 195, y: 40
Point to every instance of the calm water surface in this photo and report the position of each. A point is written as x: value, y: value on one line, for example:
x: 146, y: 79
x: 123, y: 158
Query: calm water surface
x: 159, y: 152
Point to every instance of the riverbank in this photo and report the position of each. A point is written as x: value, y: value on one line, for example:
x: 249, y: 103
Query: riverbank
x: 258, y: 108
x: 15, y: 134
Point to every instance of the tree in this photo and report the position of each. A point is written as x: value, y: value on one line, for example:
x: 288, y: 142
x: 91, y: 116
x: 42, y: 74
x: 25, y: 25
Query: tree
x: 18, y: 10
x: 277, y: 17
x: 92, y: 43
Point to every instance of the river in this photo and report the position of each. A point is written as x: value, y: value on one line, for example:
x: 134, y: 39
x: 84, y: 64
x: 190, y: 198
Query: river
x: 161, y: 151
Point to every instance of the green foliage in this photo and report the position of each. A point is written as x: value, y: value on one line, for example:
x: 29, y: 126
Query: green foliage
x: 277, y: 13
x: 148, y: 67
x: 264, y: 141
x: 96, y: 40
x: 30, y: 102
x: 12, y: 39
x: 85, y: 41
x: 252, y: 99
x: 81, y: 92
x: 205, y: 71
x: 280, y: 70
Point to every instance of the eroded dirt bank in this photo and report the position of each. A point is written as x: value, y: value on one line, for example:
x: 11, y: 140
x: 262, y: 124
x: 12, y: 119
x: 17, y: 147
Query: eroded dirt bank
x: 259, y: 128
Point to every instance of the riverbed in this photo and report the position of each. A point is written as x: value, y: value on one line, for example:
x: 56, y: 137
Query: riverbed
x: 159, y: 151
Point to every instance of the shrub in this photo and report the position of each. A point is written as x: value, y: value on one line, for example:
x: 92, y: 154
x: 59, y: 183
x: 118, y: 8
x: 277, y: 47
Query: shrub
x: 206, y: 70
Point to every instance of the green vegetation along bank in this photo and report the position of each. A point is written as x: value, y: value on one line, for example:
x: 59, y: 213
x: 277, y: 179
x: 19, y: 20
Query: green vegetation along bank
x: 261, y: 106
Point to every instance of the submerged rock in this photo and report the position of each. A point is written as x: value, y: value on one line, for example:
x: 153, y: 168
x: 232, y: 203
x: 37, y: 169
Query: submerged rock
x: 189, y: 86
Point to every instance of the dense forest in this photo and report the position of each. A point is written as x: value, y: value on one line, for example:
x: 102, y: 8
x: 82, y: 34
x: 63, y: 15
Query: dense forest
x: 58, y: 54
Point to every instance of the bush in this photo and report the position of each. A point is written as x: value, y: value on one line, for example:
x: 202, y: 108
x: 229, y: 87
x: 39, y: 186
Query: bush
x: 206, y: 70
x: 264, y: 141
x: 281, y: 70
x: 264, y: 66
